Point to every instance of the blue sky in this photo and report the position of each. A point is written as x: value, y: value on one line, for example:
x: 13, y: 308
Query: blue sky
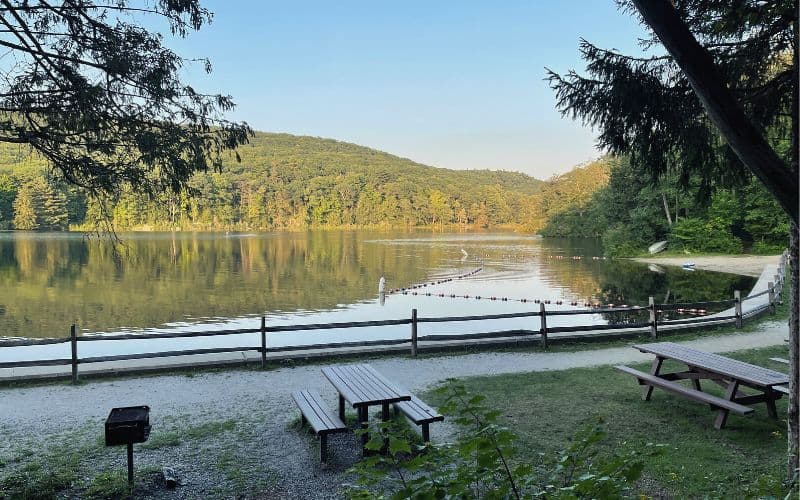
x: 449, y: 84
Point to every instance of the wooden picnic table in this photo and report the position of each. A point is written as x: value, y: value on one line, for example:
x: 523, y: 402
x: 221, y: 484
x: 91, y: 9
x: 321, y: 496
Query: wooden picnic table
x: 729, y: 373
x: 362, y: 386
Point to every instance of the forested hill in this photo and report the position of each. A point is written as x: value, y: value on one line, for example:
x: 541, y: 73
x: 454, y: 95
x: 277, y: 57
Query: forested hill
x: 328, y: 157
x: 283, y: 182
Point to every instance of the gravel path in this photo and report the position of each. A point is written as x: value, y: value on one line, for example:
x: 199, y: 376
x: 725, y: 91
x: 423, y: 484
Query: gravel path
x: 244, y: 419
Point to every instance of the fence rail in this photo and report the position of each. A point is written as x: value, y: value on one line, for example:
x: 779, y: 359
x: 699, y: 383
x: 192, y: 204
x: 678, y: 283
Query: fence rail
x: 656, y: 321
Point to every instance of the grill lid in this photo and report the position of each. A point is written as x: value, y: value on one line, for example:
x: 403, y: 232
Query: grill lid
x: 131, y: 414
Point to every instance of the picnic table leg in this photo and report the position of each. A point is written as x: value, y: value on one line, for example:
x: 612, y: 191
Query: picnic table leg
x: 385, y: 415
x: 695, y: 381
x: 770, y: 401
x: 323, y: 447
x: 655, y: 368
x: 722, y: 414
x: 363, y: 415
x: 341, y: 407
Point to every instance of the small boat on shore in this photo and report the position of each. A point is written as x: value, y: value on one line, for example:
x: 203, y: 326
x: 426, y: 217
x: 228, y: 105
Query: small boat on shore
x: 657, y: 247
x: 689, y: 266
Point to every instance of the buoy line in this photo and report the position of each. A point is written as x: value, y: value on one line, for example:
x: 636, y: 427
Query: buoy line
x: 432, y: 283
x: 414, y: 291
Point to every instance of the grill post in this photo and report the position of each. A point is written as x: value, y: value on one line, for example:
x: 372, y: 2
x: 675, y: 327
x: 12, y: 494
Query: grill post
x: 413, y: 332
x: 130, y: 466
x: 737, y: 297
x: 263, y: 342
x: 73, y: 343
x: 651, y: 304
x: 543, y: 320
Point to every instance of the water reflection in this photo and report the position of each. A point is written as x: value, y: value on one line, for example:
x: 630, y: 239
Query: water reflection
x: 155, y: 280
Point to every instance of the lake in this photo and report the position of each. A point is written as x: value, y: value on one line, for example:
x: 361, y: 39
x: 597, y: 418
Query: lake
x: 169, y: 281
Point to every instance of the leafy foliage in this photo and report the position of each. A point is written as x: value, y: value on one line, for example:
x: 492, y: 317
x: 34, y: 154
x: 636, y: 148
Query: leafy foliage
x: 100, y: 97
x: 481, y: 463
x: 291, y: 182
x: 629, y: 214
x: 645, y: 107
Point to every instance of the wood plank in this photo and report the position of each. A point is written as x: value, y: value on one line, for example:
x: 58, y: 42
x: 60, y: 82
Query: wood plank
x: 387, y: 383
x: 418, y: 411
x: 371, y: 385
x: 745, y: 372
x: 319, y: 416
x: 353, y: 395
x: 355, y: 380
x: 780, y: 360
x: 361, y: 385
x: 703, y: 397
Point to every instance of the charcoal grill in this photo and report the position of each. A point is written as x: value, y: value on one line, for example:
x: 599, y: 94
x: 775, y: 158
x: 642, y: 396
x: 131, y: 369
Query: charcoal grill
x: 125, y: 426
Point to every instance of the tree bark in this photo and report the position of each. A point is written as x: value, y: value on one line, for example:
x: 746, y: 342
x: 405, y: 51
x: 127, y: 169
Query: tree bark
x: 666, y: 208
x: 741, y: 135
x: 793, y: 427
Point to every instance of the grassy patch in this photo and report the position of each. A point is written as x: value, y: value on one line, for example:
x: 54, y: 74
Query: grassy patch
x: 45, y: 477
x: 744, y: 459
x: 110, y: 484
x: 180, y: 434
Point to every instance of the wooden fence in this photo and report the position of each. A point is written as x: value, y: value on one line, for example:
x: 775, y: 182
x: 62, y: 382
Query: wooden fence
x: 654, y: 323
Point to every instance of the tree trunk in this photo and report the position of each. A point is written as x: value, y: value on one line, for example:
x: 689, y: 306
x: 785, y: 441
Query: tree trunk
x: 793, y: 430
x: 739, y: 132
x: 750, y: 146
x: 666, y: 209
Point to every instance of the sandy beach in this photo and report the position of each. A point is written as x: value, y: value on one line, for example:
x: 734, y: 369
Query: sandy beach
x: 746, y: 265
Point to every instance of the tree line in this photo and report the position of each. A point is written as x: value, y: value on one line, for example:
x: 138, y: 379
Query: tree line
x: 282, y: 182
x: 630, y: 211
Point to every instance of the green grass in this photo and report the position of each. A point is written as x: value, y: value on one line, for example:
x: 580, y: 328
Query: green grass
x: 179, y: 433
x: 546, y: 408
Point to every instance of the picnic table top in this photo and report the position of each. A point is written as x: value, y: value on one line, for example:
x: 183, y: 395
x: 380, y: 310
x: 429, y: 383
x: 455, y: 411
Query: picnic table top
x: 739, y: 370
x: 362, y: 385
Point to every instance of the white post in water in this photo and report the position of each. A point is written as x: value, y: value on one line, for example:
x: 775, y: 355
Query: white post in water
x: 382, y: 290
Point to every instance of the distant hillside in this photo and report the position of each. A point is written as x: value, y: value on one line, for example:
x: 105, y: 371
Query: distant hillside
x: 569, y: 192
x: 314, y: 156
x: 291, y: 182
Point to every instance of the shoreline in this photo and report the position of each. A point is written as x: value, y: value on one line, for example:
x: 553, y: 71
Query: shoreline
x: 744, y: 265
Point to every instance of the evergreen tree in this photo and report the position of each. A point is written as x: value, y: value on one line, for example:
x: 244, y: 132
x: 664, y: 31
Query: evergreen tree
x: 100, y: 97
x: 26, y: 211
x: 722, y: 104
x: 54, y: 208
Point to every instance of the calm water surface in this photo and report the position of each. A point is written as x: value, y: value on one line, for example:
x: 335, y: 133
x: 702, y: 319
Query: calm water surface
x: 169, y: 281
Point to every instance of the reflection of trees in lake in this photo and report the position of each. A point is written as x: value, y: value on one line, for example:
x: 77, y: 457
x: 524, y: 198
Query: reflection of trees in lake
x: 51, y: 282
x: 623, y: 281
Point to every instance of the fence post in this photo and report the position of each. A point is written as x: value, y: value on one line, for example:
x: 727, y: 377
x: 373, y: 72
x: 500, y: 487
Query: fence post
x: 73, y: 342
x: 263, y: 342
x: 413, y: 332
x: 651, y: 303
x: 543, y: 330
x: 737, y: 297
x: 771, y: 295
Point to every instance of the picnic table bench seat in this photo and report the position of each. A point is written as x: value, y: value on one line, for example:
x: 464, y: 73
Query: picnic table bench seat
x: 420, y: 413
x: 323, y: 420
x: 781, y: 388
x: 673, y: 387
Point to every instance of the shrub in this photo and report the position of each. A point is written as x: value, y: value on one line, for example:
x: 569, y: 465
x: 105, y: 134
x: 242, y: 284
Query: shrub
x: 617, y: 242
x: 696, y: 235
x: 481, y: 463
